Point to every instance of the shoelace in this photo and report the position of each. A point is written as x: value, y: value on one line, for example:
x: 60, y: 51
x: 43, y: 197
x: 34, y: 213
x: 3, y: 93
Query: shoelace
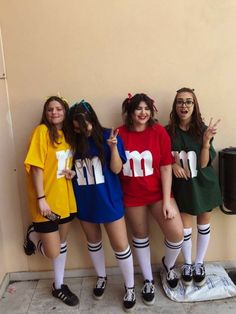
x: 187, y: 269
x: 199, y: 270
x: 130, y: 295
x: 171, y: 275
x: 100, y: 283
x: 148, y: 287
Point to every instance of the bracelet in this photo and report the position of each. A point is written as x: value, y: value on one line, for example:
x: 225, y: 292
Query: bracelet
x: 39, y: 198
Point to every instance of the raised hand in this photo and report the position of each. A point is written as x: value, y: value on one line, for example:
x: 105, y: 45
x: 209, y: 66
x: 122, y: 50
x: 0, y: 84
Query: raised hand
x: 112, y: 140
x: 210, y: 131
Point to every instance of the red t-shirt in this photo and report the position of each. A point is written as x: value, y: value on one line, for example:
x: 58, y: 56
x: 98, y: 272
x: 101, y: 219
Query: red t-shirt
x: 146, y: 151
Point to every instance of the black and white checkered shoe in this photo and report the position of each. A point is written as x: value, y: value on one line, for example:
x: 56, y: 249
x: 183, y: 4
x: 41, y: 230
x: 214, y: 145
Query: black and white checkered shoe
x: 129, y: 300
x: 148, y: 292
x: 187, y: 274
x: 99, y: 289
x: 199, y: 274
x: 171, y: 276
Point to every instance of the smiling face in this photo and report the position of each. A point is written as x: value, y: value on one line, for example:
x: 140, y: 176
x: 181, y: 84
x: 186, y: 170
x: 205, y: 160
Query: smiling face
x: 55, y: 114
x: 141, y: 116
x: 184, y: 106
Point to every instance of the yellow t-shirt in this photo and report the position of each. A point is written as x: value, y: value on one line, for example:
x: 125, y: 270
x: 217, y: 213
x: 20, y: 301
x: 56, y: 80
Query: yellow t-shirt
x: 52, y: 159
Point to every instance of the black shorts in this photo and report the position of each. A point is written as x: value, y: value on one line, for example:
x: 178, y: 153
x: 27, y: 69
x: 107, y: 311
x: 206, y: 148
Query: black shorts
x: 51, y: 226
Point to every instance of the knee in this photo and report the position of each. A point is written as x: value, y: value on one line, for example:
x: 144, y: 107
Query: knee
x: 94, y: 239
x: 121, y: 247
x: 140, y: 235
x: 52, y: 253
x: 179, y: 235
x: 176, y: 236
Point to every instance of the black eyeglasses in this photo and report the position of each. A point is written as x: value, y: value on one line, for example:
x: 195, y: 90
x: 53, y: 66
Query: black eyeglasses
x: 187, y: 103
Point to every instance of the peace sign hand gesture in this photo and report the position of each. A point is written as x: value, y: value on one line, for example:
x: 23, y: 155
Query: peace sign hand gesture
x: 112, y: 140
x: 210, y: 131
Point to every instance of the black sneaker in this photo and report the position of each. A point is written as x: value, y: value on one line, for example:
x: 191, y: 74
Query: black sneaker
x: 65, y: 295
x: 187, y: 274
x: 99, y: 289
x: 148, y: 292
x: 171, y: 276
x: 199, y: 274
x: 29, y: 246
x: 129, y: 299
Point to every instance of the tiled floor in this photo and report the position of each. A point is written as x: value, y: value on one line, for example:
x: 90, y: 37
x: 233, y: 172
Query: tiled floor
x: 34, y: 297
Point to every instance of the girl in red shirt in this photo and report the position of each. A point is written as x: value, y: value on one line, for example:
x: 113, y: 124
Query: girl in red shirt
x: 146, y: 180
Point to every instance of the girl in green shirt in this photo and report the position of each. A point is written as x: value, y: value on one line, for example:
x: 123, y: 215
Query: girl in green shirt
x: 195, y: 185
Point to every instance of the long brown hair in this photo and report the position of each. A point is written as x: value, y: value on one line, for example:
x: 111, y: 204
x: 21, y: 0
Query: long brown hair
x: 53, y: 132
x: 196, y: 126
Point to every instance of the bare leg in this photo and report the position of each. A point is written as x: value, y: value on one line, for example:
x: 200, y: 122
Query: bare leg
x: 172, y: 230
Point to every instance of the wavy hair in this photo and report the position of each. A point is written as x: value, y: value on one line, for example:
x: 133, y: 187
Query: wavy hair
x: 196, y: 126
x: 131, y: 103
x: 53, y: 132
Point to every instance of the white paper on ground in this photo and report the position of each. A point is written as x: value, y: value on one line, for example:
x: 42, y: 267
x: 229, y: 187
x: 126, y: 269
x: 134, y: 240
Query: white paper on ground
x: 218, y: 285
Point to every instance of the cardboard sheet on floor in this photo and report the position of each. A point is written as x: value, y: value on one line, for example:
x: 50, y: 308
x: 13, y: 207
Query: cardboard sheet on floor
x: 218, y: 285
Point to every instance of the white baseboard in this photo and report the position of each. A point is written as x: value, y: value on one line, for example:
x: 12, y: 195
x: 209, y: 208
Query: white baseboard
x: 72, y: 273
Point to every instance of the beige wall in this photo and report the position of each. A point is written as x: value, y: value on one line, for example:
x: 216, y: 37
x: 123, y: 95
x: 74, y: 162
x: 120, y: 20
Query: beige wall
x: 11, y: 226
x: 100, y: 51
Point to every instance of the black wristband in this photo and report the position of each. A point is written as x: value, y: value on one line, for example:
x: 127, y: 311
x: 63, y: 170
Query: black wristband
x: 39, y: 198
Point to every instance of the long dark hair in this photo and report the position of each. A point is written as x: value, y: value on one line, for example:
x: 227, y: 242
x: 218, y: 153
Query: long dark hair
x: 196, y: 126
x: 53, y: 132
x: 83, y: 112
x: 131, y: 103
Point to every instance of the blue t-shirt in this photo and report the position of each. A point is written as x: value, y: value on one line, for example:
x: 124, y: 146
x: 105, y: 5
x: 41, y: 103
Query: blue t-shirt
x: 97, y: 189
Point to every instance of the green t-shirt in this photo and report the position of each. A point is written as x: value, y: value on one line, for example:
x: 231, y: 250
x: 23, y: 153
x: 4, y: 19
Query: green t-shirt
x: 201, y: 192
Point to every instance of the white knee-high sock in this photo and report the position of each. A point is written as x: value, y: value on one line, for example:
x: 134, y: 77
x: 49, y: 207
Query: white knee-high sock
x: 59, y: 266
x: 203, y: 239
x: 172, y: 250
x: 142, y: 251
x: 125, y: 262
x: 97, y: 256
x: 187, y: 246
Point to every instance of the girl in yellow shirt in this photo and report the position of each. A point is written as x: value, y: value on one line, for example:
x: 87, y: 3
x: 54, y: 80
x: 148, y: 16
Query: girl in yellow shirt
x: 51, y: 198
